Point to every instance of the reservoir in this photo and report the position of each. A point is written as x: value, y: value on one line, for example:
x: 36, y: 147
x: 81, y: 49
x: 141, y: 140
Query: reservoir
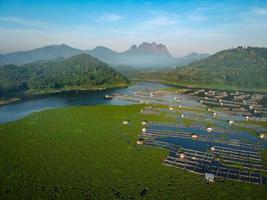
x: 26, y: 106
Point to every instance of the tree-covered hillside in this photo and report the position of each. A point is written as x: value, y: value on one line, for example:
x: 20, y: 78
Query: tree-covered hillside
x: 82, y: 71
x: 244, y: 68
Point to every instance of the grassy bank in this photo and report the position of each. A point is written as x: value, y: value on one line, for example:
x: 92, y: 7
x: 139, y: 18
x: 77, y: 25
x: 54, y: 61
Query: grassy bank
x: 87, y: 153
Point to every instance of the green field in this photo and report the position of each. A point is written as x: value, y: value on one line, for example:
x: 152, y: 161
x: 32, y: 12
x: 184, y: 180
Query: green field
x: 87, y: 153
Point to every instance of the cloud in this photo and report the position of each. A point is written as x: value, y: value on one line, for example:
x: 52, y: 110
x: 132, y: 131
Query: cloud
x: 23, y: 23
x: 161, y: 21
x: 16, y: 20
x: 110, y: 17
x: 259, y: 11
x: 197, y: 17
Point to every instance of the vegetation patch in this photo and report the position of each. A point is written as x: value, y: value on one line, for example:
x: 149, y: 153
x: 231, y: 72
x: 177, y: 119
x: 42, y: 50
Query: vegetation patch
x: 88, y: 153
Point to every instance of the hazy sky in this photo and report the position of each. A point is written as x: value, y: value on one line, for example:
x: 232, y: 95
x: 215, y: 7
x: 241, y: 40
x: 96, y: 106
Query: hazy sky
x: 183, y: 26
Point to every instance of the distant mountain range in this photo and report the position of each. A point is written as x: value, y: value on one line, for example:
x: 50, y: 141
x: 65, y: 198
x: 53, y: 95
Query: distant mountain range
x: 242, y: 67
x: 43, y: 53
x: 77, y: 72
x: 144, y: 55
x: 190, y: 58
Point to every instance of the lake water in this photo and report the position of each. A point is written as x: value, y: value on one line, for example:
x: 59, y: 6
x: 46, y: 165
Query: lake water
x: 29, y: 105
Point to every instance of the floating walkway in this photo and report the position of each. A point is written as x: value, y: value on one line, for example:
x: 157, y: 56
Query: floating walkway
x: 200, y: 168
x: 152, y: 132
x: 200, y: 162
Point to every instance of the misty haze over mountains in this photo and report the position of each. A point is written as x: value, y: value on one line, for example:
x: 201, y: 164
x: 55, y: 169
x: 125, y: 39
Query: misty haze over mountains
x: 144, y: 55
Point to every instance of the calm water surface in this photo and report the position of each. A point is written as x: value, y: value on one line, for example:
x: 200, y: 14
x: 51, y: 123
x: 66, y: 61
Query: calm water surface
x: 24, y: 107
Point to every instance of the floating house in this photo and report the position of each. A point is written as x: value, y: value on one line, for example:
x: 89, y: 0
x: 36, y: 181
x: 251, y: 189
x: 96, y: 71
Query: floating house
x: 214, y: 114
x: 209, y: 177
x: 212, y: 148
x: 182, y: 155
x: 231, y: 122
x: 170, y: 108
x: 144, y: 122
x: 126, y: 122
x: 140, y: 141
x: 194, y: 136
x: 247, y: 118
x: 263, y: 136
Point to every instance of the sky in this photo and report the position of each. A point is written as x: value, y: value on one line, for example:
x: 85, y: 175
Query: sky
x: 204, y: 26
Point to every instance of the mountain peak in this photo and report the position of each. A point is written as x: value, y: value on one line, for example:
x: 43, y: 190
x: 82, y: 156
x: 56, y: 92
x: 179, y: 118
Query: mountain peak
x: 55, y: 46
x: 133, y: 46
x: 64, y: 45
x: 150, y: 48
x: 102, y: 48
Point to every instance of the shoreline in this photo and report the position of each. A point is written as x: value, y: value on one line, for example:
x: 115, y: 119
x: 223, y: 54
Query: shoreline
x: 28, y: 94
x: 192, y: 86
x: 9, y: 101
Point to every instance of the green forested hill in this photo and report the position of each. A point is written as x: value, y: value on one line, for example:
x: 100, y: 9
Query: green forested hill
x: 82, y: 71
x: 244, y: 67
x: 239, y: 67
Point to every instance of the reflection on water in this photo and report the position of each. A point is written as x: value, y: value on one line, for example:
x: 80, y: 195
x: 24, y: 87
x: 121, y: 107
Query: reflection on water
x: 22, y: 108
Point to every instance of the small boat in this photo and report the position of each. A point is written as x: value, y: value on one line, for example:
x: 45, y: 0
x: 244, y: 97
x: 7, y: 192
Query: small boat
x: 108, y: 97
x: 209, y: 129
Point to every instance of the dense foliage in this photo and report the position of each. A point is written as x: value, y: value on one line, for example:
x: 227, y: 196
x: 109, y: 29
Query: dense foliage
x: 78, y: 71
x: 244, y: 68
